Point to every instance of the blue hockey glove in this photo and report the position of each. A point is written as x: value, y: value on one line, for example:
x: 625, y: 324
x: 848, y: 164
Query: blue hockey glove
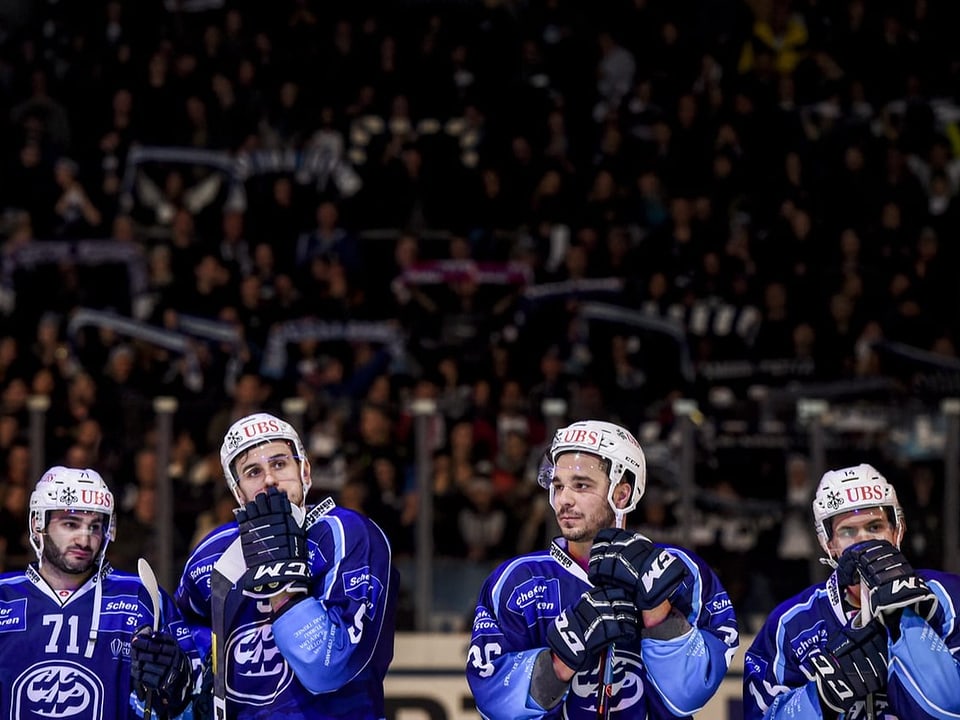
x: 274, y: 547
x: 630, y: 561
x: 600, y: 617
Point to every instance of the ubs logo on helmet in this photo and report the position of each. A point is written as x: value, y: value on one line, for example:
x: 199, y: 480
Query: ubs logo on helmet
x: 57, y: 689
x: 580, y: 436
x: 96, y: 498
x: 261, y: 427
x: 860, y: 493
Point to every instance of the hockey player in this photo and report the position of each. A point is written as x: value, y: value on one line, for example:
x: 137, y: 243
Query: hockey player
x: 604, y: 621
x: 297, y: 605
x: 67, y: 622
x: 877, y: 639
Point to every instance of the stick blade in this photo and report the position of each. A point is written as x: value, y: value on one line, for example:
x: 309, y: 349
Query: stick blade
x: 149, y: 580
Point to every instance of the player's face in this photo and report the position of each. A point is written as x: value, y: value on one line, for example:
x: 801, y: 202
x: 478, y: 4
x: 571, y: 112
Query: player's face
x: 579, y: 496
x: 72, y: 540
x: 270, y: 465
x: 859, y: 525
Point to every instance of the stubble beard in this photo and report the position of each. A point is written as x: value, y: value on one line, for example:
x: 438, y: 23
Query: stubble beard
x: 592, y: 525
x: 56, y: 557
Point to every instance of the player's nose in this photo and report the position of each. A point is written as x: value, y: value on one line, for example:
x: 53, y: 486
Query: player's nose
x: 270, y: 479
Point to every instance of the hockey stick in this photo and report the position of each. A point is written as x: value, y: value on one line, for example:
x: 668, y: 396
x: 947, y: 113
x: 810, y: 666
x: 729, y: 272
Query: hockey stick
x: 149, y: 581
x: 606, y: 664
x: 225, y: 574
x: 865, y: 617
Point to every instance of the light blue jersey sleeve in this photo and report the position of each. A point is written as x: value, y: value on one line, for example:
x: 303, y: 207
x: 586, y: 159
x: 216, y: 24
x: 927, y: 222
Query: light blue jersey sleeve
x: 505, y: 692
x: 687, y: 670
x: 331, y: 636
x: 925, y: 660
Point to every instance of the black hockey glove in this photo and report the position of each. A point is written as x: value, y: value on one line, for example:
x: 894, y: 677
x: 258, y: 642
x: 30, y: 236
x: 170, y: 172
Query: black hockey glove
x: 628, y: 560
x: 203, y: 700
x: 274, y: 547
x: 600, y: 617
x: 851, y: 666
x: 160, y: 668
x: 892, y: 581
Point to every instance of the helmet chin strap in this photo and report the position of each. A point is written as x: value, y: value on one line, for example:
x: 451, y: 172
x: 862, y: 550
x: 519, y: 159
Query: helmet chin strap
x: 619, y: 519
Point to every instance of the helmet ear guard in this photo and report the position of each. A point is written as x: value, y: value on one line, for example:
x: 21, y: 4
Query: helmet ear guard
x: 251, y: 431
x: 613, y: 445
x: 858, y: 487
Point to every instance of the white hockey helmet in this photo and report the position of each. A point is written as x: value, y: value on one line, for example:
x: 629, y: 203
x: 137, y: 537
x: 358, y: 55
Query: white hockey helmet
x: 63, y: 488
x: 854, y: 488
x: 607, y: 441
x: 253, y: 430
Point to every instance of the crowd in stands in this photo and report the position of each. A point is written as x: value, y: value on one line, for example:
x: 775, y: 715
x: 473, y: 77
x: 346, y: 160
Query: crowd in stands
x: 487, y: 203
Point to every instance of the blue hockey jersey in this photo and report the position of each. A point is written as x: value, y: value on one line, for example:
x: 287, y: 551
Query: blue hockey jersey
x: 51, y: 665
x: 327, y: 655
x: 651, y: 678
x: 923, y: 676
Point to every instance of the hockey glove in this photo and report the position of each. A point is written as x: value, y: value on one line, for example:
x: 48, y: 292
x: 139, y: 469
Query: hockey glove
x: 159, y: 667
x: 851, y: 666
x: 628, y: 560
x: 892, y: 581
x: 600, y: 617
x: 274, y: 547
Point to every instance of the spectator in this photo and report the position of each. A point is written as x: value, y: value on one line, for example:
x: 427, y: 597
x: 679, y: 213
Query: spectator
x: 15, y: 536
x: 799, y: 181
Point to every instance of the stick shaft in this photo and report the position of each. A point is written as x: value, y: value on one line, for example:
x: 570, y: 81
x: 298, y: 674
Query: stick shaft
x: 866, y: 615
x: 606, y: 664
x: 149, y: 580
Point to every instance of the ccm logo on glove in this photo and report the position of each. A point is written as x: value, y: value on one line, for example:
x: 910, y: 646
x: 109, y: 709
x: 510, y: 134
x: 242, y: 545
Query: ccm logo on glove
x: 269, y: 573
x: 657, y: 568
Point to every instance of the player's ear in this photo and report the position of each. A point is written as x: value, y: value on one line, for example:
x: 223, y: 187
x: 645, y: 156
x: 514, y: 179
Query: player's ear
x: 621, y: 494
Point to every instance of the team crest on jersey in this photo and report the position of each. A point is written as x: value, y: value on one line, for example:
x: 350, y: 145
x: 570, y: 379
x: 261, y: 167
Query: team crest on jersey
x: 254, y: 658
x: 627, y: 685
x: 56, y: 689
